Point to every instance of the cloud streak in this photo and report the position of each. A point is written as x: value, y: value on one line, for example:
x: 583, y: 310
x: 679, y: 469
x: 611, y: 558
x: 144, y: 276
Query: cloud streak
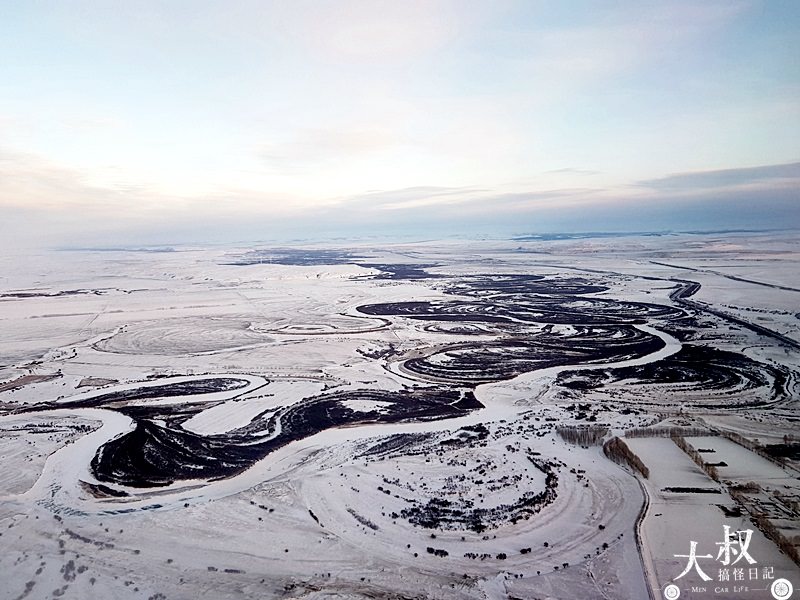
x: 42, y: 201
x: 721, y: 178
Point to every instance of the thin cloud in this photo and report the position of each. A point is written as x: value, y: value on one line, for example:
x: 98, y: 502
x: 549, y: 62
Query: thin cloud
x: 442, y: 202
x: 34, y: 183
x: 409, y: 198
x: 724, y: 177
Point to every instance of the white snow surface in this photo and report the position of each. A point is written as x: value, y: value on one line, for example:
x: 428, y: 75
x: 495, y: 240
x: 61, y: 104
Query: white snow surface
x: 308, y: 520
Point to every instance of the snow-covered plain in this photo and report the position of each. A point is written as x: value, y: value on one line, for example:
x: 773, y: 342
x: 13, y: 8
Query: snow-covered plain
x: 341, y: 512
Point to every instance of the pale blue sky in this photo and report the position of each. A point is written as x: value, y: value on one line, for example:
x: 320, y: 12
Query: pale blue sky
x: 155, y: 121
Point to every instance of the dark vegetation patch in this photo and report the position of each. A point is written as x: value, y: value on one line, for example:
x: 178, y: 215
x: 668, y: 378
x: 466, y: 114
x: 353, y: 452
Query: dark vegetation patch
x: 402, y: 271
x: 168, y: 390
x: 789, y: 450
x: 467, y: 436
x: 474, y: 363
x: 730, y: 512
x: 24, y: 380
x: 154, y: 454
x: 294, y: 257
x: 523, y: 285
x: 440, y: 513
x: 515, y: 307
x: 691, y: 490
x: 311, y: 257
x: 398, y: 442
x: 98, y: 490
x: 127, y: 401
x: 38, y: 294
x: 693, y: 368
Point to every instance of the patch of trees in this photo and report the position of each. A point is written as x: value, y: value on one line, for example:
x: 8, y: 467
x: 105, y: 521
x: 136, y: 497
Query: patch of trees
x: 399, y: 444
x: 378, y: 353
x: 363, y: 520
x: 692, y: 453
x: 617, y: 450
x: 440, y: 512
x: 784, y: 451
x: 645, y: 432
x: 583, y: 436
x: 790, y: 502
x: 754, y: 447
x: 785, y: 544
x: 467, y: 435
x: 476, y: 556
x: 691, y: 490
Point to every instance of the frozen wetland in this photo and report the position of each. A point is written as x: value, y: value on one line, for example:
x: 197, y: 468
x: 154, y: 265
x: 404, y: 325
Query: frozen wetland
x: 431, y: 420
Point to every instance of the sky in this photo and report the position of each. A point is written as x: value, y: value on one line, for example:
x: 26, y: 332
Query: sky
x: 193, y: 121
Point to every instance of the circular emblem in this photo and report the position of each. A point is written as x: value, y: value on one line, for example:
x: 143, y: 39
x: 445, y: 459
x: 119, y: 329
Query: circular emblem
x: 781, y: 589
x: 673, y: 592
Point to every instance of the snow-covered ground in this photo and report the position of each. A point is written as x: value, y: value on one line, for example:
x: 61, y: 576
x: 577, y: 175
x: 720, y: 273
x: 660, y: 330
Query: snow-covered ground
x: 323, y: 516
x: 675, y: 519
